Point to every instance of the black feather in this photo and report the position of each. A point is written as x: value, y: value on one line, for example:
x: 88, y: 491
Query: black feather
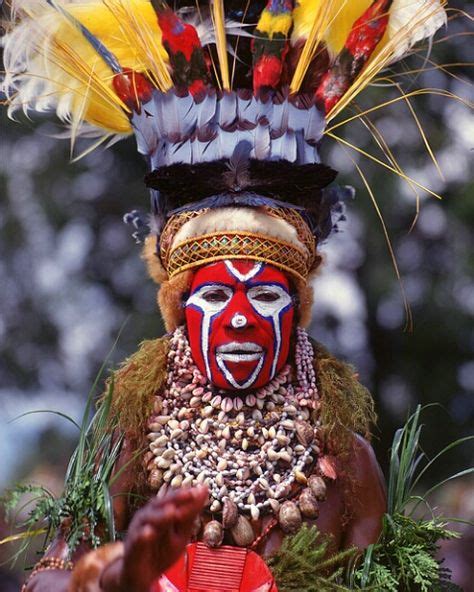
x: 242, y: 199
x: 183, y: 183
x: 238, y: 165
x: 244, y: 182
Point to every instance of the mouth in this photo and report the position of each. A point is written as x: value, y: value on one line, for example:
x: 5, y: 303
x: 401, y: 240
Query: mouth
x: 239, y: 352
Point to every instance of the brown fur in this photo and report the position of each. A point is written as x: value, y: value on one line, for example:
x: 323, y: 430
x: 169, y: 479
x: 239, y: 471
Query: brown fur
x: 170, y: 299
x: 155, y: 268
x: 87, y: 571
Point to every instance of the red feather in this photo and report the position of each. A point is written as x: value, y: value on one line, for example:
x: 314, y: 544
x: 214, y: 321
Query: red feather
x: 132, y: 88
x: 267, y: 71
x: 189, y: 66
x: 365, y: 35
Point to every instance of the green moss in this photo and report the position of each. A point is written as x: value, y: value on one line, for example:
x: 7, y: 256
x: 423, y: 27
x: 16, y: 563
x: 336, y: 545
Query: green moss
x: 347, y: 406
x: 139, y: 378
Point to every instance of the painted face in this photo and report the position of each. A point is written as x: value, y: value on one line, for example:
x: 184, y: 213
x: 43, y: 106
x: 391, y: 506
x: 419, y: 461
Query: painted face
x: 239, y: 317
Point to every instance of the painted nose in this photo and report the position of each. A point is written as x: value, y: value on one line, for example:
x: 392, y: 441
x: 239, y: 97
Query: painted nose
x: 239, y: 321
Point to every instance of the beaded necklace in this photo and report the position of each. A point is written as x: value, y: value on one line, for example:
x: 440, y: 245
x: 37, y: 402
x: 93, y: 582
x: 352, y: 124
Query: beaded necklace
x: 248, y: 448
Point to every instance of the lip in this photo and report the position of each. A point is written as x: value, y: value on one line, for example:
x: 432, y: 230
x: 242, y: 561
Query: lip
x: 239, y: 352
x: 235, y: 346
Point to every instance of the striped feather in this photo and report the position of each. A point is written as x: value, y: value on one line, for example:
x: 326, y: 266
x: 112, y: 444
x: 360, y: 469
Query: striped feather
x: 63, y: 55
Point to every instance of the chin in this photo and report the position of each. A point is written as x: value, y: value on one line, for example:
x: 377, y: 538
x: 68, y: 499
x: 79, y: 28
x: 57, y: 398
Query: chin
x: 241, y: 375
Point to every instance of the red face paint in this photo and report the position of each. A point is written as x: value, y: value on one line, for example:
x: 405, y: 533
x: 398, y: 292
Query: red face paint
x: 239, y: 317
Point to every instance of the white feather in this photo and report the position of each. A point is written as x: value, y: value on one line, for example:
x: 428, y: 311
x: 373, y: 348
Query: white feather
x: 305, y: 152
x: 206, y: 110
x: 145, y: 131
x: 419, y: 18
x: 280, y: 117
x: 261, y: 149
x: 248, y: 109
x: 284, y: 147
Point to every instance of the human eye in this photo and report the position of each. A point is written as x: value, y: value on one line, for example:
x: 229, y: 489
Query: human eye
x: 268, y: 299
x: 266, y: 296
x: 216, y: 295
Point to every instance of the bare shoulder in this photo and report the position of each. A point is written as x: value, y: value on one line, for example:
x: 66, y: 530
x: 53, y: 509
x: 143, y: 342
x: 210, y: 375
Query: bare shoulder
x: 364, y: 465
x: 367, y: 495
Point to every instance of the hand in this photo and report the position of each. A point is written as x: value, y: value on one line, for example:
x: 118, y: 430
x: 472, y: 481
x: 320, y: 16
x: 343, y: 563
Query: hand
x: 157, y: 536
x: 50, y: 580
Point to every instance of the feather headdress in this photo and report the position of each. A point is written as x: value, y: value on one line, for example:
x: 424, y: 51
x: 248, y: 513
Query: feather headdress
x: 228, y: 101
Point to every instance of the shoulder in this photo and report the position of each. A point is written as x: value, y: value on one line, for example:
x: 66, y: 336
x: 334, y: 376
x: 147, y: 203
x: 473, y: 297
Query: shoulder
x: 365, y: 495
x: 364, y: 464
x: 136, y: 382
x: 366, y: 483
x: 347, y: 406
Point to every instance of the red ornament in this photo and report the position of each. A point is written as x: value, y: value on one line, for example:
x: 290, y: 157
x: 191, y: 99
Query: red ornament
x: 365, y: 35
x: 177, y: 36
x: 267, y: 71
x: 225, y: 569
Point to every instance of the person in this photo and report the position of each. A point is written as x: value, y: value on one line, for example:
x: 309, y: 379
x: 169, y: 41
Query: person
x: 237, y: 428
x: 240, y: 410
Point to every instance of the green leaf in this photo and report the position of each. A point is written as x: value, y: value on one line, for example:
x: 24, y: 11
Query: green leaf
x: 59, y: 413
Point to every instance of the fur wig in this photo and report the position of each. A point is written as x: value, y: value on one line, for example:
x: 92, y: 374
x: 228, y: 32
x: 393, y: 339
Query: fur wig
x: 230, y: 219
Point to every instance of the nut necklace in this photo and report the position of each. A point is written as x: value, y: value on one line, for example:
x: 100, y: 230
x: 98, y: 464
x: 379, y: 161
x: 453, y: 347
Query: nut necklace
x: 249, y: 448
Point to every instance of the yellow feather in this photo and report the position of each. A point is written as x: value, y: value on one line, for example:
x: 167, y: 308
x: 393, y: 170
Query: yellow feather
x: 271, y: 24
x: 52, y: 65
x: 319, y: 16
x: 341, y: 24
x: 341, y: 15
x: 410, y: 21
x: 218, y: 21
x: 329, y: 22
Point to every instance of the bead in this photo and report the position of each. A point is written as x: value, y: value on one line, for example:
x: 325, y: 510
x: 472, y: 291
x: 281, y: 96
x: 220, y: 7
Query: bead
x: 200, y: 434
x: 308, y: 504
x: 213, y: 534
x: 289, y: 518
x: 317, y: 486
x: 242, y: 532
x: 229, y: 513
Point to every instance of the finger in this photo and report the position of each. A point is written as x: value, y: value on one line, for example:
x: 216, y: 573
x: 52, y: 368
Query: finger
x: 159, y: 518
x: 181, y: 496
x: 185, y: 515
x: 182, y: 506
x: 177, y: 496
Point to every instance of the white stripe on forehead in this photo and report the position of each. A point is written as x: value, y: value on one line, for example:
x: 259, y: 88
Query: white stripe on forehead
x: 243, y: 277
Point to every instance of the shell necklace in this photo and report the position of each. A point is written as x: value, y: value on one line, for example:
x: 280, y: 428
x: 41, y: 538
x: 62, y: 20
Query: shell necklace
x: 248, y: 448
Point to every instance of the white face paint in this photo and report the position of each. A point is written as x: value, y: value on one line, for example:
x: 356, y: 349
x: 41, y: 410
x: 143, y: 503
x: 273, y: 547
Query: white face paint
x: 269, y: 301
x: 211, y: 300
x: 222, y: 358
x: 239, y: 325
x: 243, y: 277
x: 239, y: 321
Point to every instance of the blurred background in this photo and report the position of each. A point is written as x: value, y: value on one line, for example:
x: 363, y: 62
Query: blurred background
x: 71, y: 275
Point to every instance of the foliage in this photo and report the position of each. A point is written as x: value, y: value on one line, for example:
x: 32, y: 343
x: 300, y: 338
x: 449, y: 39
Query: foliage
x: 84, y: 510
x: 301, y: 563
x: 404, y: 558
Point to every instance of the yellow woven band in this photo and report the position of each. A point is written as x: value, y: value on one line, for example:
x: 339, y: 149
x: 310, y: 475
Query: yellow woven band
x: 213, y: 247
